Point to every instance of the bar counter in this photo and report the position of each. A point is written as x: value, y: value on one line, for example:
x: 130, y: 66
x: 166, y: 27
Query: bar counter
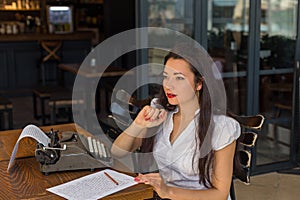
x: 21, y: 56
x: 78, y: 35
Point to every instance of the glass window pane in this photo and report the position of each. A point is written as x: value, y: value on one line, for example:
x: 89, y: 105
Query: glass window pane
x: 278, y: 33
x: 174, y: 14
x: 277, y: 57
x: 228, y: 30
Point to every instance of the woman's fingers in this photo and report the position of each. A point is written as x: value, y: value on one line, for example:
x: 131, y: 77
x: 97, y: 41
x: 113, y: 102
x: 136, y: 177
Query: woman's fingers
x: 154, y: 114
x: 162, y: 114
x: 151, y: 178
x: 150, y: 117
x: 149, y: 113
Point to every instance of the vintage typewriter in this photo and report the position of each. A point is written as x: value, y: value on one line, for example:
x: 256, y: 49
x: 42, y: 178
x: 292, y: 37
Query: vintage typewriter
x: 72, y: 151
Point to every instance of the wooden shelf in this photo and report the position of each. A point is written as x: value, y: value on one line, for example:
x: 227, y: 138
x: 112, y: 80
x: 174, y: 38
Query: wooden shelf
x: 13, y: 9
x: 78, y: 35
x: 91, y: 1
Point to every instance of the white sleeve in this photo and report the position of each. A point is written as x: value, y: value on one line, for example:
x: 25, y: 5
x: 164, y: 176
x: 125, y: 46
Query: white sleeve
x: 226, y: 131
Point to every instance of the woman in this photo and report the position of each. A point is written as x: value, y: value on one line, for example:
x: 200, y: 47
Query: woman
x: 193, y: 148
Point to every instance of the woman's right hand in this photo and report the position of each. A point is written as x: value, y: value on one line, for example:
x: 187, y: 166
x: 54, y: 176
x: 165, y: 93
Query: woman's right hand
x: 150, y: 117
x: 131, y: 138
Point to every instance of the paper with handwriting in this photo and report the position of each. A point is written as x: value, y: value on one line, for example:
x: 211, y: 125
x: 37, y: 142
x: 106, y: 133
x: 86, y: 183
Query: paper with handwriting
x: 94, y: 186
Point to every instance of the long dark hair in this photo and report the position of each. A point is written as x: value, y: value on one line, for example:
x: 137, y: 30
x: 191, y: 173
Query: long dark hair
x: 205, y: 116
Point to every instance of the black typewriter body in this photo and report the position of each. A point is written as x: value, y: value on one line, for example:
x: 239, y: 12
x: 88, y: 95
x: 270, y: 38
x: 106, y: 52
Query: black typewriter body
x: 72, y: 151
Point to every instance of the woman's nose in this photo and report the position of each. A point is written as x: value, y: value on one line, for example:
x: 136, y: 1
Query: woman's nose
x: 169, y: 83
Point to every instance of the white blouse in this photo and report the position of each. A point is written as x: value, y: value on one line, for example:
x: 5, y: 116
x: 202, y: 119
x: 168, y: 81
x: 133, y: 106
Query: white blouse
x: 175, y: 161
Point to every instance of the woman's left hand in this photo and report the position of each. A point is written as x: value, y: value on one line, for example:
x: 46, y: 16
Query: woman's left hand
x: 155, y: 180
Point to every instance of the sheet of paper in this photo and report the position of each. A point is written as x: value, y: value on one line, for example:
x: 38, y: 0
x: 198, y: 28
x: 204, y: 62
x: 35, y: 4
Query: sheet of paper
x: 93, y: 186
x: 33, y: 132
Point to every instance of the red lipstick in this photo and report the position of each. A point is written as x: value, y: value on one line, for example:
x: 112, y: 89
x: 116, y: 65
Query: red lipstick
x: 170, y: 95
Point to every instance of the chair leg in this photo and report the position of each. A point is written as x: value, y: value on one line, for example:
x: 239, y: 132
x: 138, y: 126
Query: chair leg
x: 10, y: 119
x: 43, y: 113
x: 35, y: 114
x: 6, y: 119
x: 70, y: 115
x: 2, y: 124
x: 232, y: 192
x: 53, y: 114
x: 43, y: 74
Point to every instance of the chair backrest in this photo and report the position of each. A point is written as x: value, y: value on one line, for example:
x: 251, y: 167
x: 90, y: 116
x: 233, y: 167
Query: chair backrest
x: 51, y: 49
x: 245, y: 144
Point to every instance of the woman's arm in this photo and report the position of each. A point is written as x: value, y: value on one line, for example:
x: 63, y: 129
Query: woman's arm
x: 131, y: 138
x: 128, y: 141
x: 221, y: 179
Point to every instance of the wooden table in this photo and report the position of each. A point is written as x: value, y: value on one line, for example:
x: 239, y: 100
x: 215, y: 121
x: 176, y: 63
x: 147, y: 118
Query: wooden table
x: 25, y: 181
x: 111, y: 71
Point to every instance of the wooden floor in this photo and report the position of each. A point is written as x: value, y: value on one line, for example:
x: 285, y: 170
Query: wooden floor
x: 271, y: 186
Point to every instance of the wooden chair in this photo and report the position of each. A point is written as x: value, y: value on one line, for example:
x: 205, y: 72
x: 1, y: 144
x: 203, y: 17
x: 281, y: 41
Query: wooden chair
x: 50, y: 57
x: 6, y: 114
x: 41, y: 96
x: 61, y: 104
x: 245, y: 144
x: 50, y: 54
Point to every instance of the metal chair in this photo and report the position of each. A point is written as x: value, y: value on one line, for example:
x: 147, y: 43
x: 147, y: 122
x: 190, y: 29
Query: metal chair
x: 245, y: 144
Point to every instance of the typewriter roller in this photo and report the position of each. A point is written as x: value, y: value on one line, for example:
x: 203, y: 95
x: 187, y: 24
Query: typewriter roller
x: 73, y: 151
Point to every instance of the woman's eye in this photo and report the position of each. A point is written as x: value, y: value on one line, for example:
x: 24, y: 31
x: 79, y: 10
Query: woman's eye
x: 165, y: 76
x: 179, y: 78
